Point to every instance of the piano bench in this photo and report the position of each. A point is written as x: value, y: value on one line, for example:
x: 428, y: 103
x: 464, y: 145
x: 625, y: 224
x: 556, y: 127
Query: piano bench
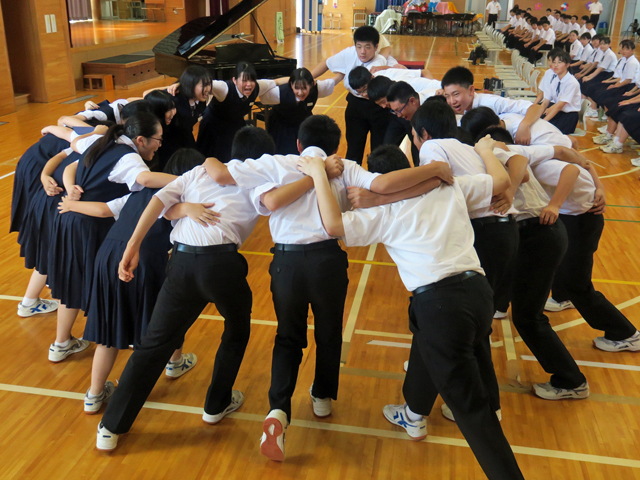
x: 412, y: 64
x: 101, y: 82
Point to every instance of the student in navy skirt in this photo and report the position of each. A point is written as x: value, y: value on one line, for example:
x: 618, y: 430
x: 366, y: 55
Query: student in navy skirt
x: 113, y: 166
x: 225, y: 115
x: 293, y: 103
x: 118, y: 313
x: 163, y: 107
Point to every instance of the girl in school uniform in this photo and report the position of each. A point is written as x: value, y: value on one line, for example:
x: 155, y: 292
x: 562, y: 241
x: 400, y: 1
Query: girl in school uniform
x: 163, y: 107
x: 118, y: 313
x: 114, y: 165
x: 293, y: 103
x: 225, y: 115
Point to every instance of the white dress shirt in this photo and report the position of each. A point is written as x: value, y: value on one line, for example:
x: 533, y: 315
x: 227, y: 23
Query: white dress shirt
x: 493, y: 8
x: 576, y: 50
x: 299, y: 222
x: 609, y: 61
x: 428, y: 237
x: 549, y: 36
x: 596, y: 8
x: 500, y: 104
x: 347, y: 60
x: 626, y: 68
x: 542, y: 132
x: 565, y: 90
x: 586, y: 54
x: 239, y: 209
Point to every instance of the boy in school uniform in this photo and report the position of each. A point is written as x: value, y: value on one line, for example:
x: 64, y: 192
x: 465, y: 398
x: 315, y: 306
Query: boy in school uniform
x: 596, y: 9
x: 583, y: 24
x: 450, y: 311
x: 585, y: 53
x: 591, y: 29
x: 561, y: 98
x: 545, y: 42
x: 308, y: 268
x: 360, y: 116
x: 493, y: 12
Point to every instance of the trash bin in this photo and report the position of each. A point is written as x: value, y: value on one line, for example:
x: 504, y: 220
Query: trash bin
x: 603, y: 27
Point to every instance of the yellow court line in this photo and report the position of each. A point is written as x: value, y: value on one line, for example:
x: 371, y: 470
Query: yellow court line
x: 426, y: 65
x: 340, y: 428
x: 342, y: 95
x: 635, y: 169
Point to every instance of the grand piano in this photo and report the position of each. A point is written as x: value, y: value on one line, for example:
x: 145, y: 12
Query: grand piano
x: 203, y: 42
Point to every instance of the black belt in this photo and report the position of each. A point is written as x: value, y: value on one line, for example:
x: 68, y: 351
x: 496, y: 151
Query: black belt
x: 225, y: 247
x: 461, y: 277
x: 289, y: 247
x: 492, y: 219
x: 529, y: 221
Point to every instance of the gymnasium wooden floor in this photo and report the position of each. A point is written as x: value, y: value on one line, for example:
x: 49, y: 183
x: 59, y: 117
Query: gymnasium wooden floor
x: 44, y: 433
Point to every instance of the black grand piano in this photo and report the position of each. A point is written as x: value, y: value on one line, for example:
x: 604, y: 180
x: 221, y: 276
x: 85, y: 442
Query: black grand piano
x: 203, y: 42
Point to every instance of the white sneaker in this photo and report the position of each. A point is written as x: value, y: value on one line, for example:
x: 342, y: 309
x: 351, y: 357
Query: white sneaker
x: 631, y: 344
x: 553, y: 306
x: 182, y: 366
x: 93, y: 404
x: 76, y: 345
x: 635, y: 162
x: 603, y: 139
x: 237, y: 399
x: 41, y: 306
x: 397, y: 415
x: 604, y: 118
x: 106, y: 441
x: 549, y: 392
x: 448, y: 414
x: 272, y: 442
x: 603, y: 129
x: 613, y: 148
x: 498, y: 315
x: 321, y: 406
x: 591, y: 113
x: 406, y: 365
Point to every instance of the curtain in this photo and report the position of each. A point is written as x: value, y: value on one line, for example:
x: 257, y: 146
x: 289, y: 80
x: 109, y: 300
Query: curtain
x: 381, y: 5
x: 79, y: 9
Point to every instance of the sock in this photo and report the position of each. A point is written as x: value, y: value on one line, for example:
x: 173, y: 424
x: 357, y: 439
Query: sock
x: 414, y: 417
x: 63, y: 344
x: 616, y: 141
x: 28, y: 302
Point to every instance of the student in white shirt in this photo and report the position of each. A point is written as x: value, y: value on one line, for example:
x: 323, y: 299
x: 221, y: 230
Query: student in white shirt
x: 449, y: 292
x: 583, y: 24
x: 542, y: 246
x: 592, y: 61
x: 585, y: 53
x: 305, y: 257
x: 360, y: 116
x: 591, y: 29
x: 545, y: 42
x: 493, y: 11
x: 596, y: 9
x: 460, y: 93
x: 576, y: 47
x: 535, y: 35
x: 561, y: 98
x: 604, y: 70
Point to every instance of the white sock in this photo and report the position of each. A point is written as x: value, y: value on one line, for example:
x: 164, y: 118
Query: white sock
x: 414, y: 417
x: 28, y: 302
x: 63, y: 344
x: 616, y: 141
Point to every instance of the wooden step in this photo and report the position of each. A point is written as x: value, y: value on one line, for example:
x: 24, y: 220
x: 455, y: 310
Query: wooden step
x: 21, y: 98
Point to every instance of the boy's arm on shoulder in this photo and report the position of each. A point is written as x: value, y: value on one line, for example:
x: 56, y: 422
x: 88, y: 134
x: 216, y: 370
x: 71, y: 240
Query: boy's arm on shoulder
x: 398, y: 180
x: 286, y: 194
x: 218, y: 171
x: 363, y: 198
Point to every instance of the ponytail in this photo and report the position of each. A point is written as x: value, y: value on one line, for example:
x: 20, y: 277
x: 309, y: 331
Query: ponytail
x: 102, y: 144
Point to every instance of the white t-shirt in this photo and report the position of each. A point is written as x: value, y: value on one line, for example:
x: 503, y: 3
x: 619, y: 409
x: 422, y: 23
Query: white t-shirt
x: 272, y: 97
x: 428, y: 237
x: 299, y: 222
x: 347, y: 60
x: 565, y: 90
x: 238, y: 209
x: 542, y: 132
x: 596, y: 8
x: 493, y: 8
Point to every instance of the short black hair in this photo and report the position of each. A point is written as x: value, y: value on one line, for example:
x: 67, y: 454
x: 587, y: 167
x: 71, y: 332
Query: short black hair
x: 437, y: 98
x: 387, y: 158
x: 193, y: 76
x: 499, y: 134
x: 626, y: 43
x: 359, y: 77
x: 183, y: 160
x: 544, y: 22
x: 477, y: 119
x: 435, y: 118
x: 366, y: 34
x: 320, y: 131
x: 131, y: 108
x: 590, y: 22
x: 300, y: 76
x: 160, y: 102
x: 586, y: 36
x: 606, y: 40
x: 598, y: 36
x: 585, y: 18
x: 559, y: 54
x: 574, y: 31
x: 246, y: 71
x: 458, y: 76
x: 574, y: 16
x: 378, y: 87
x: 251, y: 142
x: 464, y: 137
x: 401, y: 92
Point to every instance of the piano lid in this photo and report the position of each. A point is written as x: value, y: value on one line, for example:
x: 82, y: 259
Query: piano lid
x: 195, y: 35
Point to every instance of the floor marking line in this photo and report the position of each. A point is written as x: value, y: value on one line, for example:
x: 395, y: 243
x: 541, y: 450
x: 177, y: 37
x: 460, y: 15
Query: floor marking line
x: 7, y: 175
x: 340, y: 97
x: 383, y: 343
x: 620, y: 220
x: 355, y: 306
x: 580, y: 321
x: 585, y: 363
x: 588, y: 149
x: 426, y: 65
x: 624, y: 206
x: 635, y: 169
x: 374, y: 333
x: 350, y: 429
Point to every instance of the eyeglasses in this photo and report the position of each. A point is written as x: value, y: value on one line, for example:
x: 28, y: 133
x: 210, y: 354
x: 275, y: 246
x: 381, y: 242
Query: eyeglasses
x: 399, y: 112
x: 156, y: 138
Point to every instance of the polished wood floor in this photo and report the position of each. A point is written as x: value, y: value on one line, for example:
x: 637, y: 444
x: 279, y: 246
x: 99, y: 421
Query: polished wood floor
x: 44, y: 433
x: 84, y: 34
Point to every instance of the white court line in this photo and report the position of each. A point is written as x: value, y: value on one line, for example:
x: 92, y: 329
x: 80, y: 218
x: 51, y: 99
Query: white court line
x: 355, y: 306
x: 585, y: 363
x: 580, y: 321
x: 382, y: 343
x: 635, y: 169
x: 426, y: 65
x: 334, y: 427
x: 7, y: 175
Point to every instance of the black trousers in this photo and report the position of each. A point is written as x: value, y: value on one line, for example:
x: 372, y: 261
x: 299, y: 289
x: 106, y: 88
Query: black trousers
x: 535, y: 56
x: 396, y: 131
x: 316, y: 276
x: 492, y: 18
x: 361, y: 117
x: 450, y: 348
x: 193, y: 281
x: 566, y: 122
x: 541, y: 250
x: 573, y: 278
x: 594, y: 19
